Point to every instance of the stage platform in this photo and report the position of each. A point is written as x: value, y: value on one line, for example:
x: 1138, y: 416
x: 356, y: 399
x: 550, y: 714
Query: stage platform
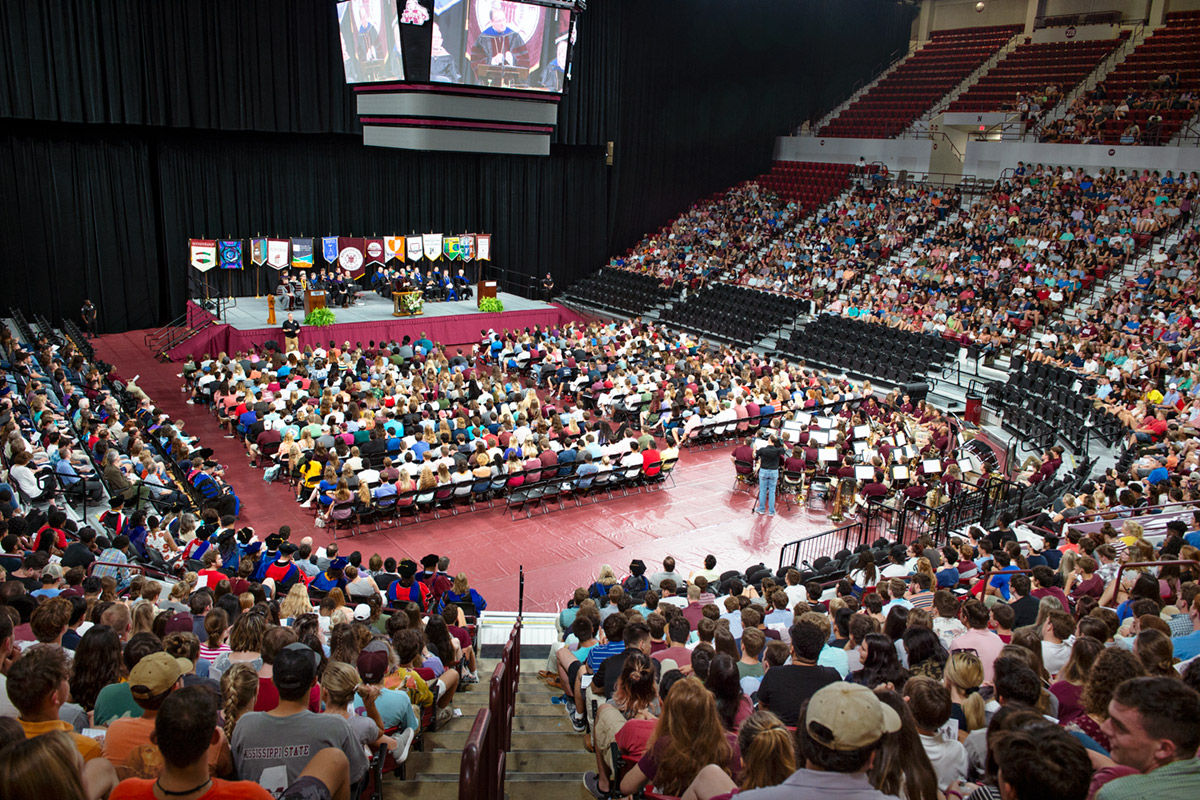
x: 250, y: 313
x: 450, y: 323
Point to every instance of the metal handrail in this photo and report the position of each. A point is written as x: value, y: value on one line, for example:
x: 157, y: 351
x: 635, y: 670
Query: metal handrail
x: 793, y: 548
x: 1182, y: 562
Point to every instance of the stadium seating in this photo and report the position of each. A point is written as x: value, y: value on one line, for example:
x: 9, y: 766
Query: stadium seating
x: 806, y: 183
x: 1033, y: 67
x: 917, y: 84
x: 622, y: 291
x: 734, y: 313
x: 864, y: 349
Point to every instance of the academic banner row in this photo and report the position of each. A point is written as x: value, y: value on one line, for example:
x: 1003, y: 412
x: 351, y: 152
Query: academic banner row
x: 351, y: 253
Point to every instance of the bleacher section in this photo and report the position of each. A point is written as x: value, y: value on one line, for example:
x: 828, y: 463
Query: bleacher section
x: 809, y: 184
x: 734, y: 313
x: 623, y: 291
x: 1043, y: 402
x: 1031, y: 68
x: 863, y: 349
x: 1173, y: 49
x: 916, y: 85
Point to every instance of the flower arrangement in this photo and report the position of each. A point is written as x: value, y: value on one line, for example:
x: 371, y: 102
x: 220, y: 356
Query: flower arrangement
x: 320, y: 317
x: 491, y: 305
x: 412, y: 302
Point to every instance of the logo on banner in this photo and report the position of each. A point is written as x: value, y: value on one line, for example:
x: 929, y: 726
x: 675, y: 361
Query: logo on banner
x: 412, y: 245
x: 231, y: 254
x: 258, y: 252
x: 202, y: 253
x: 375, y: 251
x: 466, y: 247
x: 483, y: 247
x: 329, y: 248
x: 393, y: 247
x: 350, y: 254
x: 302, y: 253
x: 450, y: 247
x: 433, y: 245
x: 277, y: 253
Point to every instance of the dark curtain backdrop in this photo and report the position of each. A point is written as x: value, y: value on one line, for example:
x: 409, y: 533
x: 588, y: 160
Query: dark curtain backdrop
x: 132, y: 125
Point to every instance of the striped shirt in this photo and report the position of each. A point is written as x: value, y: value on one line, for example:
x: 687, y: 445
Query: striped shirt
x: 210, y: 654
x: 1177, y: 779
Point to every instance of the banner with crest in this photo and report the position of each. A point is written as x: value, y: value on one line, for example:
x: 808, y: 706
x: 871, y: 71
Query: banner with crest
x: 258, y: 251
x: 202, y: 253
x: 466, y: 246
x: 231, y: 253
x: 483, y: 247
x: 374, y: 251
x: 393, y: 247
x: 412, y: 246
x: 432, y: 245
x: 329, y: 249
x: 277, y: 253
x: 350, y: 255
x: 450, y: 247
x: 302, y: 253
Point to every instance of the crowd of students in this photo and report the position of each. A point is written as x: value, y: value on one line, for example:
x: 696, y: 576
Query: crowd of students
x: 998, y: 669
x: 284, y: 673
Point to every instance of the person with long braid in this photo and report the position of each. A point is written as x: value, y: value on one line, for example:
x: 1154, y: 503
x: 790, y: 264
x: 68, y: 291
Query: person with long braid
x: 239, y: 687
x: 768, y: 758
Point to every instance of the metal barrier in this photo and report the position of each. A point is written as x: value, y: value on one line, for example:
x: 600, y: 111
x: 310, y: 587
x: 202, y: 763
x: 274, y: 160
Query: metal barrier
x: 481, y: 773
x: 793, y: 554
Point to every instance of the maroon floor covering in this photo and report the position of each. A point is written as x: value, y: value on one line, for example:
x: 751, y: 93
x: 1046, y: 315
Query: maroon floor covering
x: 560, y: 550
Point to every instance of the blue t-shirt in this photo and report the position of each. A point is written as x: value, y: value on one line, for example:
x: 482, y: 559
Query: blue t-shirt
x: 1001, y: 581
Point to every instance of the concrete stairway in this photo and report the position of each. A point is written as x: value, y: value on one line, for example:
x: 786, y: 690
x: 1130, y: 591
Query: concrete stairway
x: 547, y: 759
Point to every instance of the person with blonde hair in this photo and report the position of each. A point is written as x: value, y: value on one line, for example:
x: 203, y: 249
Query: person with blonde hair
x: 49, y: 766
x: 339, y: 684
x: 768, y: 758
x: 296, y: 602
x: 963, y: 676
x: 688, y: 737
x: 461, y: 592
x: 239, y: 688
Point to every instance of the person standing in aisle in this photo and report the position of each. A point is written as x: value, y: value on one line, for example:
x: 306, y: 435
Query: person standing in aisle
x: 291, y: 334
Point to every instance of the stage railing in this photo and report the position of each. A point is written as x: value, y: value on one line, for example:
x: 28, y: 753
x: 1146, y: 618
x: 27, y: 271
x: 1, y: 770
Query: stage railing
x: 810, y: 548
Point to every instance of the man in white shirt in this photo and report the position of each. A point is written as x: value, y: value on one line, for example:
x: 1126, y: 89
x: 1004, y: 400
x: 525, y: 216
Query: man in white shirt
x: 1057, y: 632
x: 931, y: 707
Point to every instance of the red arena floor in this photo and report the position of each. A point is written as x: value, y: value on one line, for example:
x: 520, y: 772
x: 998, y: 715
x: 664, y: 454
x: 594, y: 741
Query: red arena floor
x: 559, y: 550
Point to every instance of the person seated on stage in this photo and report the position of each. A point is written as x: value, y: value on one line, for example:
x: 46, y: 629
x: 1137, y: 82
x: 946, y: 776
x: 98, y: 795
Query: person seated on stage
x: 463, y: 285
x: 433, y: 290
x: 448, y: 286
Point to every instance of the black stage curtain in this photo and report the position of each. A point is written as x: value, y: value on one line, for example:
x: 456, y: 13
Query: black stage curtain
x: 133, y: 126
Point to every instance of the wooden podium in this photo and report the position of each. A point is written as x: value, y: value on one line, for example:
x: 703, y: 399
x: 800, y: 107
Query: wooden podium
x: 484, y: 289
x: 313, y: 298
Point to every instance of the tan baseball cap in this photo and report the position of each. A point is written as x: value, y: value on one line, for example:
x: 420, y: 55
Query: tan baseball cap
x: 156, y: 674
x: 847, y: 716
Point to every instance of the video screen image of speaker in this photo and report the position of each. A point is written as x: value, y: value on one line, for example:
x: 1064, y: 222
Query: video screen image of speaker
x: 370, y: 34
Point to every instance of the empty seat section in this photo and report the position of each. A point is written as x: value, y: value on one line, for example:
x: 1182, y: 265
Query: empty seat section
x: 1033, y: 68
x: 916, y: 85
x: 808, y: 184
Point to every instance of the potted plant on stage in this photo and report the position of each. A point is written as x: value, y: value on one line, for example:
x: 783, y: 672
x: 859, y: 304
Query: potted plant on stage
x: 320, y: 318
x: 491, y: 305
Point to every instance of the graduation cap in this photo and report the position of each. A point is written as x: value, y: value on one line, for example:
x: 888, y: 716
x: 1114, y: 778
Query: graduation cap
x: 637, y: 566
x: 253, y: 548
x: 407, y: 568
x: 429, y: 561
x: 273, y: 541
x: 339, y: 563
x: 225, y: 536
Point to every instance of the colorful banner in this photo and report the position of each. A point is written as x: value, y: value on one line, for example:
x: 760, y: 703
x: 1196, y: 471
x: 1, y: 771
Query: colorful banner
x: 202, y: 253
x: 375, y: 251
x: 483, y: 247
x: 329, y: 249
x: 432, y: 245
x: 258, y: 252
x: 302, y: 253
x: 231, y: 253
x: 412, y: 246
x: 350, y: 255
x: 466, y: 246
x: 450, y: 247
x: 393, y: 247
x: 277, y: 253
